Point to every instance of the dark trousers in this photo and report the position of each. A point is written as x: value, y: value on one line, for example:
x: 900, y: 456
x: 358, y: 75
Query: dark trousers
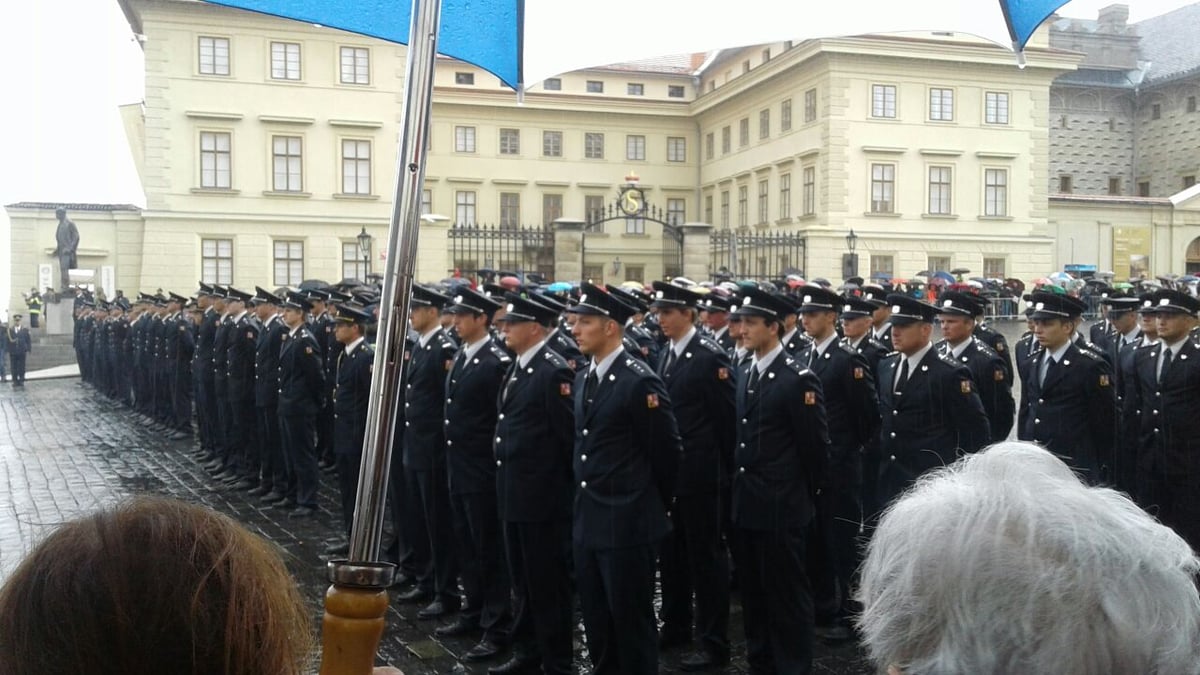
x: 274, y: 472
x: 18, y: 367
x: 432, y: 499
x: 541, y: 591
x: 33, y: 320
x: 225, y: 425
x: 1173, y: 499
x: 163, y: 386
x: 777, y: 609
x: 484, y: 572
x: 693, y: 561
x: 181, y: 400
x: 298, y: 445
x: 348, y: 466
x: 245, y: 432
x: 616, y: 594
x: 408, y: 547
x: 835, y: 536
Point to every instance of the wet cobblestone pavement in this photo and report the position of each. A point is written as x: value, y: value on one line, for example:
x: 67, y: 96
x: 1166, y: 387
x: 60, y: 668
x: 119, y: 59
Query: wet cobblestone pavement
x: 64, y: 452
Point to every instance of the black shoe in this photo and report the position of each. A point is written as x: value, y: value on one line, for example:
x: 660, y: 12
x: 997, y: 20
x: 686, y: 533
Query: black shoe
x: 435, y: 609
x: 670, y: 639
x: 483, y: 651
x: 414, y: 595
x: 248, y: 484
x: 179, y: 435
x: 233, y: 478
x: 703, y: 660
x: 302, y: 512
x: 261, y: 491
x: 463, y: 625
x: 400, y: 580
x: 519, y: 663
x: 274, y: 497
x: 337, y: 549
x: 833, y: 633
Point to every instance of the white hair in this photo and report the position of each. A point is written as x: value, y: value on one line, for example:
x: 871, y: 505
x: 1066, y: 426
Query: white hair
x: 1005, y: 562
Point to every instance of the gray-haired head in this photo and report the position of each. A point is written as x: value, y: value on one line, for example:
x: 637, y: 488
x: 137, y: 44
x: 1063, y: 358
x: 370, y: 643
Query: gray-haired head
x: 1005, y: 562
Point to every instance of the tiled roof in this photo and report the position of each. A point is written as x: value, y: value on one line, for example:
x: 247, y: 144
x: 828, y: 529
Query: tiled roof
x: 673, y: 64
x: 1169, y: 43
x: 1127, y: 200
x: 1088, y: 77
x: 50, y: 206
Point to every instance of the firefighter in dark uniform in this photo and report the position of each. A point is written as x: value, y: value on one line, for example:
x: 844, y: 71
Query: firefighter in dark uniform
x: 206, y: 403
x: 1102, y: 332
x: 275, y: 476
x: 1167, y: 386
x: 627, y: 451
x: 560, y: 339
x: 994, y: 339
x: 780, y: 457
x: 351, y: 395
x: 956, y: 312
x: 301, y: 383
x: 794, y: 340
x: 535, y: 436
x: 881, y: 325
x: 693, y: 559
x: 320, y: 323
x: 1123, y: 315
x: 930, y: 409
x: 856, y: 329
x: 852, y: 420
x: 716, y: 308
x: 240, y: 347
x: 1072, y: 401
x: 637, y: 340
x: 428, y: 490
x: 224, y: 416
x: 182, y: 398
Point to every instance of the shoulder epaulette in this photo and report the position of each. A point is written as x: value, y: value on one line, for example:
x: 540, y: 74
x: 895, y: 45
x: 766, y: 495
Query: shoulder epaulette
x: 638, y: 367
x: 711, y: 345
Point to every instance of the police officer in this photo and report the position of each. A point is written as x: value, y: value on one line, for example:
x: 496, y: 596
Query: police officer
x: 206, y: 402
x: 275, y: 476
x: 881, y: 324
x: 779, y: 460
x: 627, y: 451
x: 956, y: 312
x: 930, y: 409
x: 994, y: 339
x: 241, y: 345
x: 1122, y: 348
x: 638, y: 340
x: 224, y: 416
x: 716, y: 319
x: 351, y: 396
x: 1072, y: 403
x: 19, y: 345
x: 301, y: 383
x: 794, y: 340
x: 693, y: 560
x: 560, y: 339
x: 533, y: 445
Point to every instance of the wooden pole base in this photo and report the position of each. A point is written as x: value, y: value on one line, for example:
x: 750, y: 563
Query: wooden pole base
x: 353, y: 626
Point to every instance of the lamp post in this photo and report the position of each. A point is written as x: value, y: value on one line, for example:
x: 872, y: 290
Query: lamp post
x: 364, y: 249
x: 850, y: 260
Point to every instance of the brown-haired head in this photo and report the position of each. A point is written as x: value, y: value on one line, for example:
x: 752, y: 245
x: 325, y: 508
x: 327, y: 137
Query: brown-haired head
x: 153, y: 586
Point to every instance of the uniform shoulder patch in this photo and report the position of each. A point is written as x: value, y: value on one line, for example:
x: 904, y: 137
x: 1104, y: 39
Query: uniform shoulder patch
x: 564, y: 389
x: 711, y: 345
x: 1104, y: 381
x: 651, y: 401
x: 639, y: 367
x: 965, y: 386
x: 859, y: 372
x: 1091, y: 354
x: 556, y: 359
x: 998, y: 375
x: 810, y: 397
x: 722, y: 373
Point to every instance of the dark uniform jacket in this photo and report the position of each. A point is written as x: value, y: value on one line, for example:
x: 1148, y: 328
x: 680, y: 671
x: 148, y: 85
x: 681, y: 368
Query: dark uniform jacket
x: 18, y: 340
x: 351, y: 393
x: 301, y: 379
x: 642, y: 343
x: 996, y: 342
x: 724, y: 339
x: 1169, y: 437
x: 241, y: 343
x: 782, y: 446
x: 627, y: 451
x: 535, y: 435
x: 884, y: 338
x: 992, y: 381
x: 220, y: 354
x: 872, y: 350
x: 700, y: 384
x: 471, y: 387
x: 424, y: 401
x: 266, y: 363
x: 936, y: 417
x: 848, y: 385
x: 564, y: 345
x: 796, y: 341
x: 1102, y: 333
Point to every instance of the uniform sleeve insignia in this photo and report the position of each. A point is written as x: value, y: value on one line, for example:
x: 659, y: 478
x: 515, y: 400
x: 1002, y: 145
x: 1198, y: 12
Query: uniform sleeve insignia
x: 859, y: 374
x: 407, y: 355
x: 722, y: 373
x: 449, y: 362
x: 564, y: 389
x: 308, y: 350
x: 571, y: 363
x: 652, y: 401
x: 965, y: 385
x: 1104, y: 381
x: 998, y: 375
x: 645, y: 351
x: 1000, y: 347
x: 810, y: 398
x: 250, y: 334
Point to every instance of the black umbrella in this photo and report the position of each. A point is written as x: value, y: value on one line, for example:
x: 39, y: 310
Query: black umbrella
x: 313, y: 284
x: 960, y: 270
x: 348, y: 283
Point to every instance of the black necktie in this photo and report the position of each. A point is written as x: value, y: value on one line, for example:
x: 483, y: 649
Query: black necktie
x: 508, y: 379
x: 458, y: 365
x: 1051, y: 364
x: 903, y: 375
x: 752, y: 382
x: 1166, y: 363
x: 589, y: 388
x: 670, y: 361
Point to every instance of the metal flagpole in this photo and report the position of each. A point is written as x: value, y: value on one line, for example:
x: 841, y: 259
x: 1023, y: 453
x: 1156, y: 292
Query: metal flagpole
x: 356, y: 602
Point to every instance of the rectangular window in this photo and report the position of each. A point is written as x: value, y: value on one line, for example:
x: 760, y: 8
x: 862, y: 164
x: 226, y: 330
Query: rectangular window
x: 676, y: 149
x: 593, y: 273
x: 674, y: 91
x: 464, y: 208
x: 356, y: 167
x: 1064, y: 184
x: 593, y: 145
x: 810, y: 190
x: 762, y: 202
x: 785, y: 115
x: 810, y: 105
x: 725, y: 209
x: 764, y: 123
x: 285, y: 61
x: 356, y: 65
x: 635, y: 147
x: 1188, y: 181
x: 995, y: 192
x: 595, y: 87
x: 993, y: 268
x: 635, y: 273
x: 214, y: 160
x: 883, y: 265
x: 883, y: 187
x: 709, y: 144
x: 552, y: 84
x: 635, y: 89
x: 995, y: 105
x: 289, y: 263
x: 214, y: 56
x: 510, y: 210
x: 676, y: 211
x: 725, y: 139
x: 1144, y: 188
x: 593, y: 206
x: 552, y: 144
x: 426, y: 201
x: 1114, y: 185
x: 353, y: 264
x: 883, y: 101
x: 635, y: 226
x: 1156, y: 111
x: 287, y: 160
x: 464, y: 78
x: 216, y: 261
x: 708, y: 209
x: 552, y: 208
x: 939, y: 190
x: 743, y: 132
x: 464, y: 139
x: 785, y: 195
x: 938, y: 263
x: 743, y: 205
x: 510, y: 141
x: 941, y: 105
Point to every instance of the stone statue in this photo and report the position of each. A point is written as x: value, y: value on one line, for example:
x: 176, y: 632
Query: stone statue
x: 67, y: 238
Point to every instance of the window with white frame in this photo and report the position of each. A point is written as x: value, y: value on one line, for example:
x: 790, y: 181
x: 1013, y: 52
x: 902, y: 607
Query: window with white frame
x: 675, y: 91
x: 939, y: 190
x: 552, y: 84
x: 809, y: 204
x: 464, y: 208
x: 464, y: 139
x: 764, y: 123
x: 593, y: 145
x: 883, y: 101
x: 510, y: 210
x: 883, y: 265
x: 995, y: 106
x: 676, y: 149
x: 785, y: 195
x: 552, y: 144
x: 215, y: 160
x: 635, y: 226
x: 356, y: 167
x: 676, y: 211
x: 289, y: 263
x: 725, y: 209
x: 510, y: 141
x: 635, y: 147
x: 941, y: 104
x: 354, y: 266
x: 426, y: 201
x: 993, y: 268
x: 595, y: 87
x: 216, y: 261
x: 763, y: 198
x: 938, y: 263
x: 464, y: 78
x: 708, y: 209
x: 635, y: 89
x: 725, y: 139
x: 743, y: 132
x: 285, y: 61
x: 214, y: 55
x: 356, y: 65
x: 593, y: 207
x: 883, y: 187
x: 709, y: 144
x: 552, y: 208
x: 785, y: 115
x: 743, y: 205
x: 287, y: 162
x: 995, y: 192
x: 810, y: 105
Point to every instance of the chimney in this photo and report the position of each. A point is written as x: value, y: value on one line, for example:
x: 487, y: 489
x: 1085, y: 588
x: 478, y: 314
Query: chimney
x: 1113, y: 19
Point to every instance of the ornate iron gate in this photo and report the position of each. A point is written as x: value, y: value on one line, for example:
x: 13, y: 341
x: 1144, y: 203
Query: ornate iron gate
x: 756, y: 255
x: 480, y: 252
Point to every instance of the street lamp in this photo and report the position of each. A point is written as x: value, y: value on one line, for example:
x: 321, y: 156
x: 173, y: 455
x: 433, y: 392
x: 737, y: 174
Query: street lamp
x: 616, y: 266
x: 850, y: 260
x: 851, y: 241
x: 364, y: 248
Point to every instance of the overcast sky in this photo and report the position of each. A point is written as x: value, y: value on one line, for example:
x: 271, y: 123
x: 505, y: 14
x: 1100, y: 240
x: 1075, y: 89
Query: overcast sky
x: 68, y: 64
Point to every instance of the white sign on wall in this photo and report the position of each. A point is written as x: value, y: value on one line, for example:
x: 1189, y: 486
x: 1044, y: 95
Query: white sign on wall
x: 44, y: 277
x: 108, y: 281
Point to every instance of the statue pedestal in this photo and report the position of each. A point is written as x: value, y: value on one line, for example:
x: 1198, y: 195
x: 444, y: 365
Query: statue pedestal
x: 58, y: 317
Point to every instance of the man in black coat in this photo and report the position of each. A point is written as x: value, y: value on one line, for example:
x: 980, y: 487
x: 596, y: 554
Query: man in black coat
x: 19, y: 345
x: 559, y: 338
x: 856, y: 329
x: 956, y: 312
x: 535, y: 436
x: 779, y: 460
x: 930, y: 409
x: 1072, y: 402
x: 881, y: 324
x: 693, y: 559
x: 716, y: 318
x: 240, y: 347
x: 627, y: 451
x: 202, y: 369
x: 223, y: 420
x: 275, y: 476
x: 994, y: 339
x: 301, y: 383
x: 852, y: 419
x: 1122, y: 347
x: 351, y: 396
